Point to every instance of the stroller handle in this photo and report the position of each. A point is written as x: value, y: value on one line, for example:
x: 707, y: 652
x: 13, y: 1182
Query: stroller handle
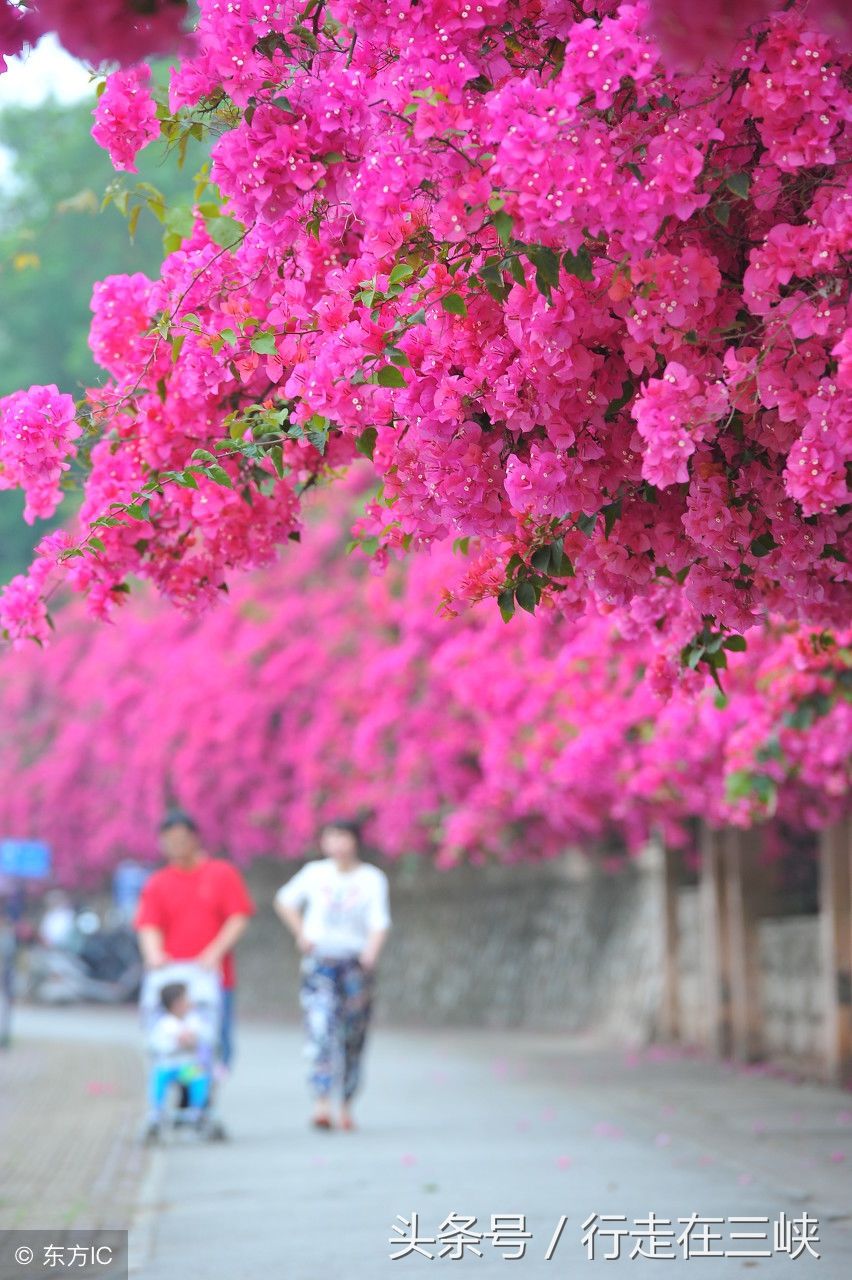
x: 204, y: 986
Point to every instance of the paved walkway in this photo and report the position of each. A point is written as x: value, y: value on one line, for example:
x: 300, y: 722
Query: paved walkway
x: 472, y: 1124
x: 69, y: 1117
x: 487, y: 1123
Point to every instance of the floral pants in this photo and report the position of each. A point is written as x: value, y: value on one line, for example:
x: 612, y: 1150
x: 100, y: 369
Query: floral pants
x: 336, y: 998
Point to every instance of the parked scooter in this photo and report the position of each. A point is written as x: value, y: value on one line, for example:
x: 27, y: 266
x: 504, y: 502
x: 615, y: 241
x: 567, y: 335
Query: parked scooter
x: 95, y: 964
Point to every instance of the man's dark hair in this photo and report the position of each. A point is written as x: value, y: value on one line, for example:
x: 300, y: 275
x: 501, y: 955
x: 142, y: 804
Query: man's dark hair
x: 178, y: 818
x: 171, y: 993
x: 349, y: 825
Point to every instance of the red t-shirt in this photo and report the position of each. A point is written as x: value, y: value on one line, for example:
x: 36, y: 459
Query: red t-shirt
x: 190, y: 907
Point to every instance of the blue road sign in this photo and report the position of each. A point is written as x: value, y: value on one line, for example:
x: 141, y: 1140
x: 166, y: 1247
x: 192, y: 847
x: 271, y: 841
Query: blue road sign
x: 29, y: 859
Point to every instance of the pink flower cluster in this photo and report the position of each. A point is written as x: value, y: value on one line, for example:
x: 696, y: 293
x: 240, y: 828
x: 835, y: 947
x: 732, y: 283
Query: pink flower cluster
x: 23, y: 610
x: 104, y: 31
x: 673, y: 414
x: 126, y: 116
x: 331, y: 680
x: 689, y: 32
x: 37, y: 433
x: 559, y: 288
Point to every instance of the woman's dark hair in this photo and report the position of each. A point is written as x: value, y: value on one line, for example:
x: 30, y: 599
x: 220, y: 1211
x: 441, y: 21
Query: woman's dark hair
x: 350, y: 825
x: 177, y: 818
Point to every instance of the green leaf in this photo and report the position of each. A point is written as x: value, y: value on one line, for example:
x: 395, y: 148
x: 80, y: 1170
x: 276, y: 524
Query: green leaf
x: 366, y: 442
x: 493, y: 281
x: 579, y: 264
x: 225, y: 231
x: 737, y: 644
x: 540, y: 559
x: 739, y: 183
x: 179, y: 221
x: 611, y: 513
x: 615, y: 406
x: 525, y: 594
x: 546, y: 264
x: 503, y: 226
x: 264, y: 344
x: 561, y: 566
x: 455, y: 304
x: 722, y: 213
x: 718, y: 683
x: 738, y: 785
x: 318, y: 438
x: 390, y: 376
x: 400, y: 273
x: 276, y: 453
x: 133, y: 221
x: 743, y: 783
x: 762, y: 545
x: 516, y: 270
x: 506, y: 602
x: 219, y: 476
x: 230, y: 336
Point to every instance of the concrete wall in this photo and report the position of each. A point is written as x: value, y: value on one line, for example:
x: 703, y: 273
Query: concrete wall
x: 553, y: 946
x: 791, y: 972
x: 692, y: 982
x: 791, y: 982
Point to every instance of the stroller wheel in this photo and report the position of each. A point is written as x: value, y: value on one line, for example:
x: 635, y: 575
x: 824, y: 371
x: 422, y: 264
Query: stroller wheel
x: 216, y: 1132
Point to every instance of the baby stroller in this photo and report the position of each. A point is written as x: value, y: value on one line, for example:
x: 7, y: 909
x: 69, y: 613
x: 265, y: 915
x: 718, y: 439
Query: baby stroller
x: 181, y: 1008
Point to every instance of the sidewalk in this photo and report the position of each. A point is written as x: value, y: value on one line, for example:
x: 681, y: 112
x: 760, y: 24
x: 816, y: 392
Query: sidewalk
x: 486, y: 1123
x: 473, y: 1124
x: 69, y: 1116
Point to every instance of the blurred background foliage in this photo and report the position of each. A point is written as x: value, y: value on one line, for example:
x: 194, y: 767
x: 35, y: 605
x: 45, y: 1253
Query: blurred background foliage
x: 55, y: 242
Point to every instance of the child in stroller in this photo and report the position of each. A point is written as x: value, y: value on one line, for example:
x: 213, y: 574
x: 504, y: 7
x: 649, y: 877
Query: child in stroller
x: 181, y: 1011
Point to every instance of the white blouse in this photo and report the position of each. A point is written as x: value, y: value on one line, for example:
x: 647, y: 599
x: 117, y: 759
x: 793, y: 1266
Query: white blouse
x: 341, y: 909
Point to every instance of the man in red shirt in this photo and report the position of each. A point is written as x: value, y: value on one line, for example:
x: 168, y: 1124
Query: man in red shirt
x: 196, y: 908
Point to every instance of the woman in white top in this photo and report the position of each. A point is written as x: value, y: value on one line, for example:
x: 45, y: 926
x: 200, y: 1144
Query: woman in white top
x: 337, y: 910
